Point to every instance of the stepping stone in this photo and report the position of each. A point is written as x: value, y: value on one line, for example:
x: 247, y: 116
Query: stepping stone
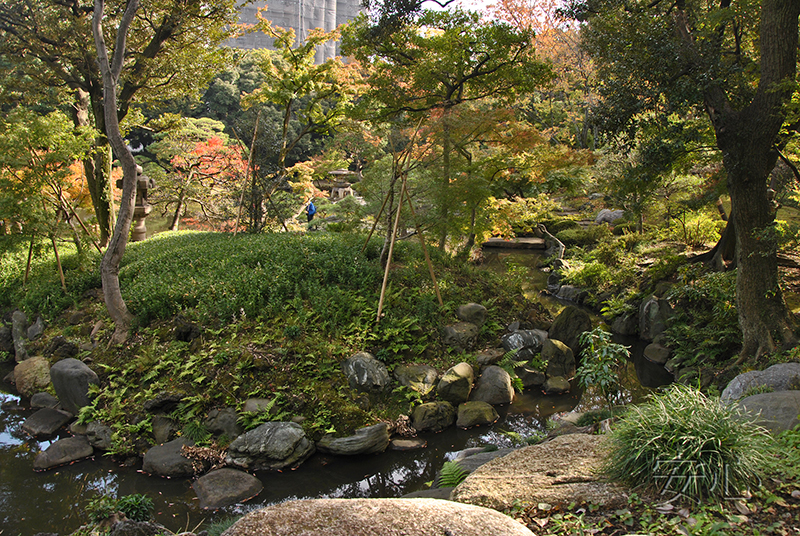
x: 62, y: 452
x: 45, y: 422
x: 224, y: 487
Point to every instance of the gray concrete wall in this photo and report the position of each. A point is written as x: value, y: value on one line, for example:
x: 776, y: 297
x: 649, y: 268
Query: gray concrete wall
x: 302, y: 16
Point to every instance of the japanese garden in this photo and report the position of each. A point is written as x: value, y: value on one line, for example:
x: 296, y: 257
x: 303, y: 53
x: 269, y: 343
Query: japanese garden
x: 521, y: 267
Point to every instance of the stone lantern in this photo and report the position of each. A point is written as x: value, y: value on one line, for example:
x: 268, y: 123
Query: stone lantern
x: 141, y: 207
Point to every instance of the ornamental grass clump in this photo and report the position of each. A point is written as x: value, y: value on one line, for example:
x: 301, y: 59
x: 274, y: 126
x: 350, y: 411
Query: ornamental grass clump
x: 682, y: 443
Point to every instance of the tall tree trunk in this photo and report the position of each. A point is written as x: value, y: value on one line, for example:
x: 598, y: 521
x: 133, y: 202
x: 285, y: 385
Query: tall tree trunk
x: 746, y: 138
x: 445, y: 181
x: 109, y: 267
x: 97, y: 167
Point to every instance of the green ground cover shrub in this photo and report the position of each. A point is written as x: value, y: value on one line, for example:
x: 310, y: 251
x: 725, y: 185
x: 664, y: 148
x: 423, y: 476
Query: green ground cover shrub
x: 682, y: 443
x: 704, y: 327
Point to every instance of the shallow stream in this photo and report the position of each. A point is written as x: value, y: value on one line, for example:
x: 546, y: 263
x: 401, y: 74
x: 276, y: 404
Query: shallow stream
x: 54, y: 501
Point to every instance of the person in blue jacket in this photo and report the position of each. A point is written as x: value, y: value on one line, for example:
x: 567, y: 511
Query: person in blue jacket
x: 311, y: 210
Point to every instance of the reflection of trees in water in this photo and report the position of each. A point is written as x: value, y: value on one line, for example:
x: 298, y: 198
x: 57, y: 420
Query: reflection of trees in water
x: 398, y: 479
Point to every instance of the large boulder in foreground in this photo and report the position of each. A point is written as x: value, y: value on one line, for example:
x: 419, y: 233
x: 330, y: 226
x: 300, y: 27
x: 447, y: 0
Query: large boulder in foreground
x: 776, y: 411
x: 376, y: 517
x: 780, y: 377
x: 559, y: 471
x: 273, y: 445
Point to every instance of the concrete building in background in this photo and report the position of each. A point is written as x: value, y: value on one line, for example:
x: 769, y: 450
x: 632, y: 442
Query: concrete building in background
x: 302, y: 16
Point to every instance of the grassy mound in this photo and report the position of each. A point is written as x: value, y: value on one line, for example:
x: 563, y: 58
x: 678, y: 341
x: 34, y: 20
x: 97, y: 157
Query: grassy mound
x: 277, y: 313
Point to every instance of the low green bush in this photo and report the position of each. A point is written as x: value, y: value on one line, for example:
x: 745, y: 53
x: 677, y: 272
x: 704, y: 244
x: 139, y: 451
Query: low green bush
x: 682, y: 443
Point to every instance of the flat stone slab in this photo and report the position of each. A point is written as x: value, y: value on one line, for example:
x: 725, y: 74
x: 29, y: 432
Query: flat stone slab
x: 412, y: 443
x: 376, y: 517
x: 516, y: 243
x: 224, y: 487
x: 367, y: 440
x: 45, y: 422
x: 559, y: 471
x: 62, y: 452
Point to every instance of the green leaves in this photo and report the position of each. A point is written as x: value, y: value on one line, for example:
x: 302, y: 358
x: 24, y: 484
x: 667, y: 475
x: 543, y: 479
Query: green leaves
x: 601, y: 362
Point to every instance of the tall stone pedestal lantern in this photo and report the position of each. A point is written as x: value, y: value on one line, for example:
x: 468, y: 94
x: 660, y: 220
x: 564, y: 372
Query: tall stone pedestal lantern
x: 141, y: 207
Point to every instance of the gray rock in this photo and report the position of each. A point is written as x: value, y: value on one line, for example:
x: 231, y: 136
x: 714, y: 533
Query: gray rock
x: 653, y: 316
x: 527, y: 343
x: 36, y: 329
x: 559, y: 358
x: 164, y: 429
x: 554, y: 283
x: 433, y: 416
x: 61, y: 348
x: 273, y: 445
x: 32, y: 375
x: 225, y: 487
x: 166, y: 460
x: 127, y: 527
x: 529, y: 376
x: 489, y: 357
x: 568, y: 326
x: 365, y: 373
x: 608, y: 216
x: 556, y: 385
x: 657, y: 353
x: 776, y: 411
x: 474, y: 313
x: 571, y: 293
x: 99, y: 435
x: 367, y: 440
x: 406, y: 443
x: 627, y: 324
x: 456, y: 384
x: 476, y: 413
x: 420, y: 378
x: 460, y: 336
x: 45, y: 422
x: 348, y: 517
x: 559, y: 471
x: 257, y: 405
x: 493, y: 387
x: 163, y: 402
x: 62, y: 452
x: 224, y: 421
x: 19, y: 331
x: 780, y: 377
x: 43, y: 400
x: 71, y: 379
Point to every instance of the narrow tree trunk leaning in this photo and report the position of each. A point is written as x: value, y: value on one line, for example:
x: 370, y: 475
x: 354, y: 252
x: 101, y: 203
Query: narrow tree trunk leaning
x: 176, y: 216
x: 109, y: 267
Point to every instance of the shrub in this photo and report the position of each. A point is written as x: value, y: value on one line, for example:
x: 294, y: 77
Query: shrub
x: 705, y: 326
x: 682, y: 443
x: 601, y: 362
x: 137, y: 507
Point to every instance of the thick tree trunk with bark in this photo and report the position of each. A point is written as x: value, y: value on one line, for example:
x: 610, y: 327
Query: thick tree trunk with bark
x: 746, y: 138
